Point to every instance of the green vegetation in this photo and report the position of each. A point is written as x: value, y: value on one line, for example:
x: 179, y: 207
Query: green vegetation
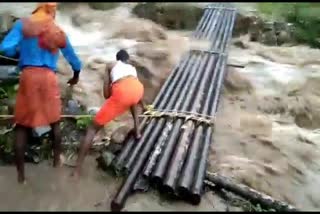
x: 304, y: 17
x: 6, y: 145
x: 8, y: 91
x: 170, y: 15
x: 83, y: 122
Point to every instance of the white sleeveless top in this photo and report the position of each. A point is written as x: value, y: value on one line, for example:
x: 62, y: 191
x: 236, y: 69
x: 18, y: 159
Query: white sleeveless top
x: 121, y: 70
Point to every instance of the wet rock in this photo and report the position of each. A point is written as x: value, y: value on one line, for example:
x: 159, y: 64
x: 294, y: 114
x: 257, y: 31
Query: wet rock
x: 73, y: 107
x: 283, y: 37
x: 120, y: 134
x: 146, y: 32
x: 6, y: 22
x: 240, y: 44
x: 170, y: 15
x: 93, y: 110
x: 268, y: 38
x: 243, y: 24
x: 105, y: 160
x: 78, y: 21
x: 103, y: 5
x: 259, y: 30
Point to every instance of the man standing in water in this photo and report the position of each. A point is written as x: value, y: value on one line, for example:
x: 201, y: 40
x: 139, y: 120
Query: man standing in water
x: 38, y: 102
x: 122, y: 91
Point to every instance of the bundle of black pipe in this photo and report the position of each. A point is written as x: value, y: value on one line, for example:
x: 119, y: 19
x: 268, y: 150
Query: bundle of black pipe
x: 167, y: 131
x: 164, y: 152
x: 169, y: 87
x: 214, y: 22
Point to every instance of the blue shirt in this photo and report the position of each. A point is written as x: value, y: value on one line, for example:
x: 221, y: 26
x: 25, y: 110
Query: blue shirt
x: 32, y: 55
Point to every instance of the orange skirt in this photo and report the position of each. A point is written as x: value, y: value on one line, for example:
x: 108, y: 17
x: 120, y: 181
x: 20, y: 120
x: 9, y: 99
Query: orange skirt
x: 38, y: 100
x: 124, y: 94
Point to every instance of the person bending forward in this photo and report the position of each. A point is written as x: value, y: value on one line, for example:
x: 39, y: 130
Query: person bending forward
x: 126, y: 92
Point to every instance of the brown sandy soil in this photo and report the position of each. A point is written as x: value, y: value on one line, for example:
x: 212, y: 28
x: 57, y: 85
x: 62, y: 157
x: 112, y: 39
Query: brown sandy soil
x: 51, y: 189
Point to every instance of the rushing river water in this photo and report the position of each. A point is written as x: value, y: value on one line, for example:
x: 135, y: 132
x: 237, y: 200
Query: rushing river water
x: 266, y: 137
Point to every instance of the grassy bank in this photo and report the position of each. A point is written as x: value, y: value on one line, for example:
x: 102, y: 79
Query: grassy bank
x: 304, y: 17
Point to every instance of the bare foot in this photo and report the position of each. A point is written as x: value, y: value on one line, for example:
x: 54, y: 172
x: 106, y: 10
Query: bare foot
x: 58, y: 163
x: 75, y: 175
x: 137, y: 136
x: 22, y: 180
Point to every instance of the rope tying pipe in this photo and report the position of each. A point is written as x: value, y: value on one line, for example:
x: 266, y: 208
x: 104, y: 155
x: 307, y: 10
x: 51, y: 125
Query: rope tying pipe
x: 199, y: 118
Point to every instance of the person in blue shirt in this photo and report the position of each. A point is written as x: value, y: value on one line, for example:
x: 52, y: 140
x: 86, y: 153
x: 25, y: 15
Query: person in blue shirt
x: 38, y: 40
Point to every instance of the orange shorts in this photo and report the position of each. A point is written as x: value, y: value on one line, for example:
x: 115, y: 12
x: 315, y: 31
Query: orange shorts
x: 124, y: 94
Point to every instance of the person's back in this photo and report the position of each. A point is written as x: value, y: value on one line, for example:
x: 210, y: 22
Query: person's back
x: 38, y: 40
x: 31, y: 53
x: 122, y: 91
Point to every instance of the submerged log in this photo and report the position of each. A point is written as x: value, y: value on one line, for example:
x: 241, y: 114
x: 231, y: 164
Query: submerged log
x: 249, y: 193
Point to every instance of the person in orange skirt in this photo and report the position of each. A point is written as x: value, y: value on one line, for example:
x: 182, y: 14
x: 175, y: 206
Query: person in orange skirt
x: 38, y: 103
x: 125, y: 92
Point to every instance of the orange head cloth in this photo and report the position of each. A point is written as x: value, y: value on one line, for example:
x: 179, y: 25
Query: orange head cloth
x: 41, y: 24
x: 44, y: 11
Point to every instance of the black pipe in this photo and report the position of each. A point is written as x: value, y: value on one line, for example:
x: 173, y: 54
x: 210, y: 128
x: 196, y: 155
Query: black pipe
x: 117, y: 162
x: 182, y: 146
x: 213, y: 19
x: 217, y: 36
x: 171, y: 80
x: 123, y: 193
x: 214, y: 22
x: 197, y: 187
x: 139, y: 145
x: 200, y: 23
x: 188, y: 76
x: 187, y: 175
x: 160, y: 168
x: 157, y: 150
x: 198, y: 33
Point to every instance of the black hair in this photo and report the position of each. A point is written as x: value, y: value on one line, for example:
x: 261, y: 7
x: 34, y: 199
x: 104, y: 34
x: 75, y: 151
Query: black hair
x: 122, y: 55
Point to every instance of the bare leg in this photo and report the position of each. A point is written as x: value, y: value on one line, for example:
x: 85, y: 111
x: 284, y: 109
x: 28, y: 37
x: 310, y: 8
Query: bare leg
x: 19, y: 148
x: 143, y: 105
x: 56, y: 145
x: 84, y: 148
x: 134, y: 113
